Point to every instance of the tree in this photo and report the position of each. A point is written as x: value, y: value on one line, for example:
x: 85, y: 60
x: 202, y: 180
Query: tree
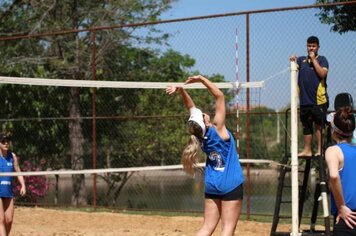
x: 342, y: 18
x: 68, y: 56
x: 123, y: 54
x: 37, y: 186
x: 156, y: 133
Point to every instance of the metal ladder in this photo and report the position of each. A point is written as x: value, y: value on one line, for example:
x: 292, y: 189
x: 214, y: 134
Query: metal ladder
x: 319, y: 188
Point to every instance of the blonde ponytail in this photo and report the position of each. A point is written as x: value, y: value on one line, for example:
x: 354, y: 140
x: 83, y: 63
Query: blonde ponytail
x: 190, y: 154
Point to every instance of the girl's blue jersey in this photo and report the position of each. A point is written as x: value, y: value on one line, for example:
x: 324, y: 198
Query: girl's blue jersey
x: 6, y: 165
x: 223, y: 172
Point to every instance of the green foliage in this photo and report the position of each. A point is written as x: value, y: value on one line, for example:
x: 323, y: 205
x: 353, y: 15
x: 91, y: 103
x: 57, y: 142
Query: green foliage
x: 34, y: 114
x: 134, y: 127
x: 36, y: 186
x: 341, y: 18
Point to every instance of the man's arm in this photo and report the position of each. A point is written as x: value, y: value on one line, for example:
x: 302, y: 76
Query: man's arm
x: 322, y: 72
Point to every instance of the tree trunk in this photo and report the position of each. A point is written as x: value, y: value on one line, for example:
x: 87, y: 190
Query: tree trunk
x: 79, y: 195
x: 56, y: 191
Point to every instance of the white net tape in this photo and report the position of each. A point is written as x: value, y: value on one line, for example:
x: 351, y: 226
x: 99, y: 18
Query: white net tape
x: 119, y: 84
x: 128, y: 169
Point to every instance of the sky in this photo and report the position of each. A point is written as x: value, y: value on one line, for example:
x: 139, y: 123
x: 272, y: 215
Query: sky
x: 215, y: 53
x: 191, y: 8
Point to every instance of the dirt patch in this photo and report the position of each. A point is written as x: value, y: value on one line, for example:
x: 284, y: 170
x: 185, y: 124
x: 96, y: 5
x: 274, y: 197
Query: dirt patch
x: 49, y: 222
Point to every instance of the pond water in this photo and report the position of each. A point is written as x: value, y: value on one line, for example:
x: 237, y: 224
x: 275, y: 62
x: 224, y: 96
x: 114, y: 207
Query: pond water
x: 173, y: 190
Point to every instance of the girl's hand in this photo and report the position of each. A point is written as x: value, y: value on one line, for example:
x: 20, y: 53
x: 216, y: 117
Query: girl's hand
x: 172, y: 89
x: 347, y: 215
x: 194, y: 79
x: 23, y: 190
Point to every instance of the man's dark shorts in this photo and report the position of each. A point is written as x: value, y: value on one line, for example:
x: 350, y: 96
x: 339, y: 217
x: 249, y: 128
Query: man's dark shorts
x: 313, y: 114
x: 236, y: 194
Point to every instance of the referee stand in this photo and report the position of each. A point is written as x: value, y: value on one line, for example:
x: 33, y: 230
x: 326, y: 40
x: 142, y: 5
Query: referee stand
x: 320, y: 190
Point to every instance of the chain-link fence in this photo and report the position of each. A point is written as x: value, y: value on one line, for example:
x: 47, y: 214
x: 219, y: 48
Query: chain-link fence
x: 81, y: 128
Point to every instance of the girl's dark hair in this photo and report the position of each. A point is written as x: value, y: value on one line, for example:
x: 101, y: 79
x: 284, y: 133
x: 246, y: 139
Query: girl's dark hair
x: 313, y: 39
x: 5, y: 136
x: 344, y: 120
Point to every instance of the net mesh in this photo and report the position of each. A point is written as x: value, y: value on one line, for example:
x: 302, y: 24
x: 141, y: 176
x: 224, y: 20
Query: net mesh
x: 110, y: 144
x: 63, y: 127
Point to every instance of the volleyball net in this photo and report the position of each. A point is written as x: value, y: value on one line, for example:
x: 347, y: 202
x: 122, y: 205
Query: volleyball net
x: 82, y: 124
x: 116, y: 134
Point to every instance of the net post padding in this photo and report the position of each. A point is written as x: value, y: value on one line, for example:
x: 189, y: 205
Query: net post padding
x: 294, y: 149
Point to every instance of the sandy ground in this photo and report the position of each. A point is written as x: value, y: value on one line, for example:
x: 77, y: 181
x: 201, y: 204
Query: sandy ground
x: 49, y: 222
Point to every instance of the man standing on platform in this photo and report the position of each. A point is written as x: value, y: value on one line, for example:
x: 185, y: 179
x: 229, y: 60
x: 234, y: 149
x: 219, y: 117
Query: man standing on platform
x: 313, y: 97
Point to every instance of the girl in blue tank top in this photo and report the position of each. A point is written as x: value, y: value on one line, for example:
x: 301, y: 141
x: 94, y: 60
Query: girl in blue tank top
x: 8, y: 163
x: 341, y: 161
x: 223, y: 173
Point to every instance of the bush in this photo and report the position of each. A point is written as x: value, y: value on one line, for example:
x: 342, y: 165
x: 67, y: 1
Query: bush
x: 36, y: 186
